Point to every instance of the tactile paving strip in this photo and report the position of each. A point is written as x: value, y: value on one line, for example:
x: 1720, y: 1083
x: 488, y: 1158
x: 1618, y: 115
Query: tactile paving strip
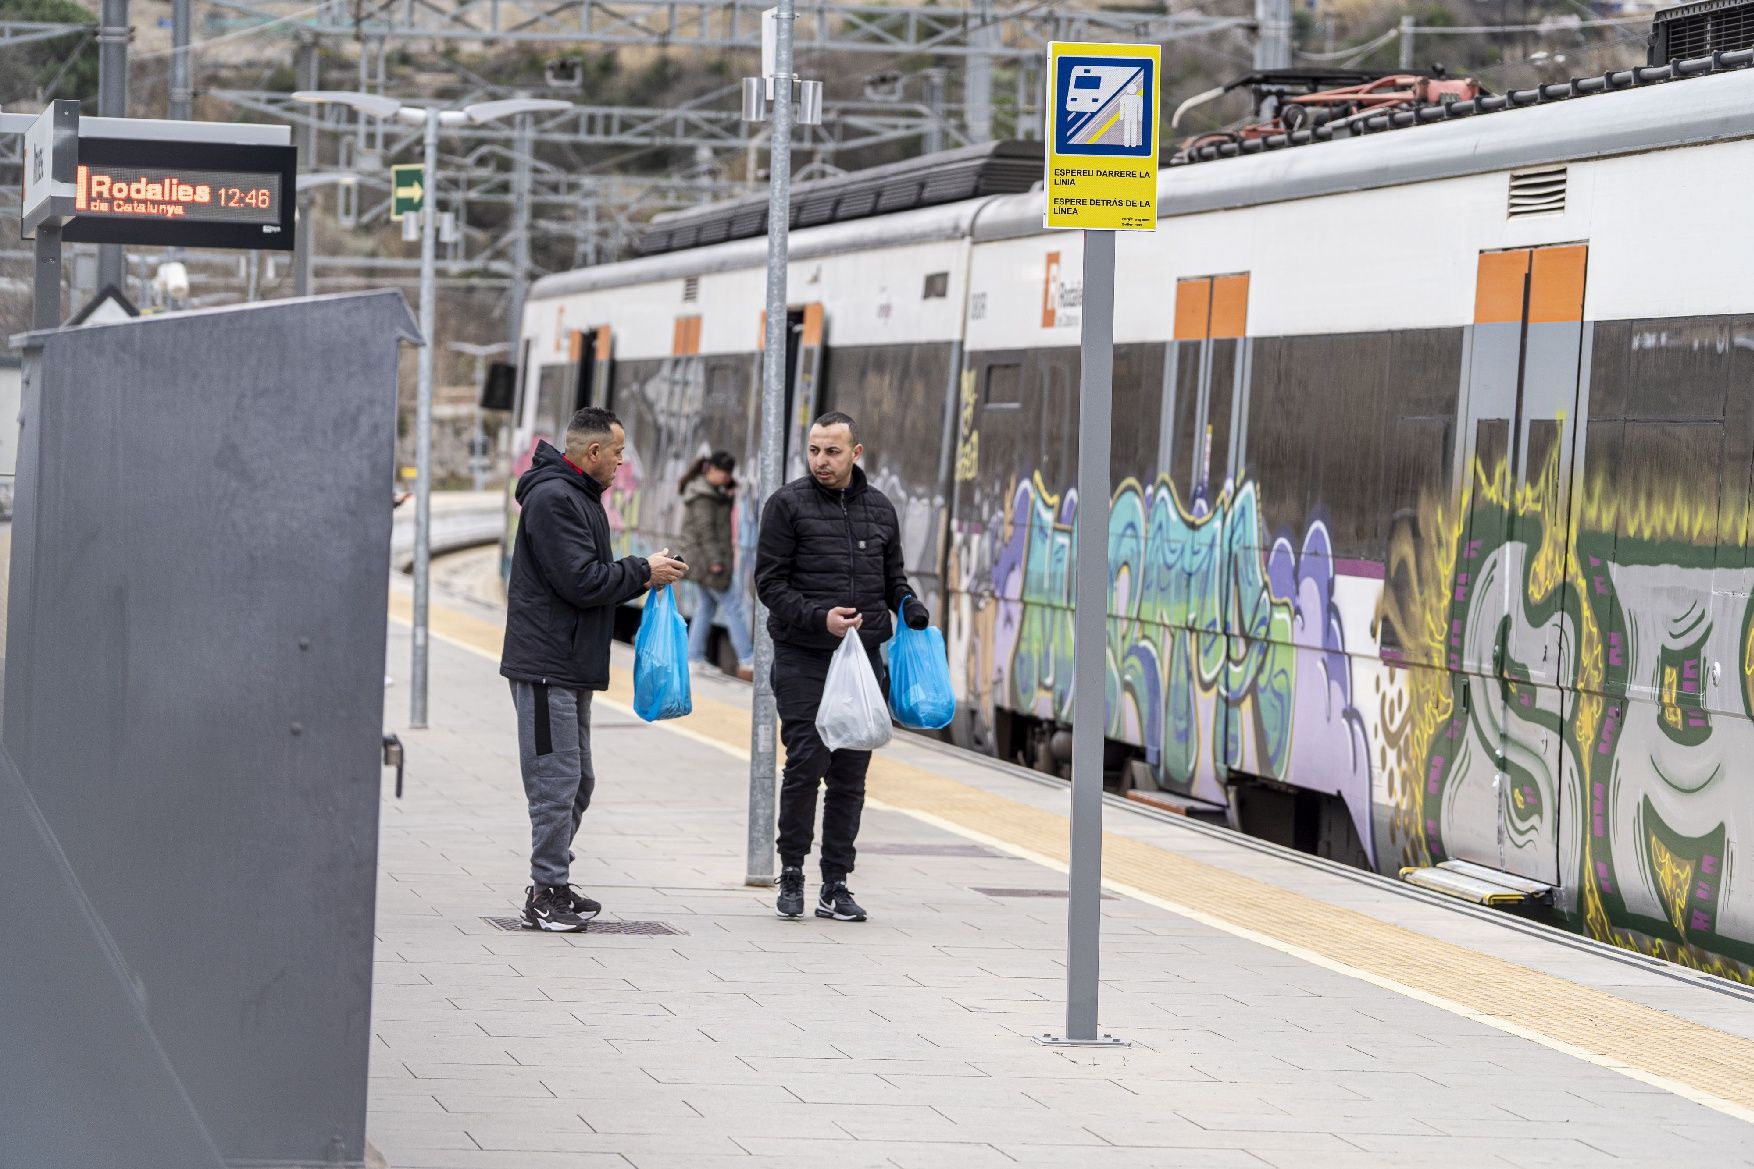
x: 640, y: 928
x: 1059, y: 893
x: 905, y: 849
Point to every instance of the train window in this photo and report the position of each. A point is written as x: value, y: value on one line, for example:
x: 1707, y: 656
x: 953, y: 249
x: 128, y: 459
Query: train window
x: 553, y: 401
x: 1684, y: 368
x: 1138, y: 397
x: 1004, y: 387
x: 1425, y: 372
x: 1317, y: 430
x: 1277, y: 452
x: 1491, y: 444
x: 937, y: 286
x: 1423, y: 387
x: 1415, y: 484
x: 1221, y: 390
x: 724, y: 410
x: 1052, y: 389
x: 897, y: 393
x: 1187, y: 404
x: 1678, y: 371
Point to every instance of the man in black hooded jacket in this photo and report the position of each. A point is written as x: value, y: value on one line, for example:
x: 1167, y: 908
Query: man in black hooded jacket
x: 560, y: 616
x: 828, y: 566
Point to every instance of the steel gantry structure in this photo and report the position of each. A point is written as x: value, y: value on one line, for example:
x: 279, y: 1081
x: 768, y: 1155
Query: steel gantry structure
x: 981, y: 28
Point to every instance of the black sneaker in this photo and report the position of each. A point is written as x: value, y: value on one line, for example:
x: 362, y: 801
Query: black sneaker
x: 791, y: 899
x: 551, y: 909
x: 837, y: 903
x: 582, y: 905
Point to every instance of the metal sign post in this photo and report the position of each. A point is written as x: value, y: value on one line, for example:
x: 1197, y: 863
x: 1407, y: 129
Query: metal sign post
x: 1101, y: 176
x: 775, y: 87
x: 51, y: 163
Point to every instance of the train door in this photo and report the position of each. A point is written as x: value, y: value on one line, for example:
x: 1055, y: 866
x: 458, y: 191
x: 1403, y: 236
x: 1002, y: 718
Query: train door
x: 804, y: 398
x: 1501, y: 799
x: 1204, y: 379
x: 592, y: 351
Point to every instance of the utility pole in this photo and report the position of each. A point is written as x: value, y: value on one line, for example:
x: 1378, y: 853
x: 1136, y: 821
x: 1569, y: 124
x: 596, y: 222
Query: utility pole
x: 763, y: 758
x: 423, y: 425
x: 112, y: 97
x: 182, y: 75
x: 977, y: 83
x: 520, y: 240
x: 935, y: 103
x: 307, y: 199
x: 773, y: 87
x: 1272, y: 34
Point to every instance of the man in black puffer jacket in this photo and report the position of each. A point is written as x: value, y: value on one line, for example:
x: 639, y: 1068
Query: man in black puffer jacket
x: 828, y: 565
x: 560, y: 616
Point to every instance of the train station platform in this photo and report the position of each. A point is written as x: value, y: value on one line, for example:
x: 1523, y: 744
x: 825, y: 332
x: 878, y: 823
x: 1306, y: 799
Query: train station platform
x: 1281, y: 1011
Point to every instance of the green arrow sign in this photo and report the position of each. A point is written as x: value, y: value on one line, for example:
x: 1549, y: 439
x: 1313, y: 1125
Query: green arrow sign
x: 407, y: 190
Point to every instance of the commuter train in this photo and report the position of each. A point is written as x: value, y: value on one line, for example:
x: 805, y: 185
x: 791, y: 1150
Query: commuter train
x: 1433, y: 453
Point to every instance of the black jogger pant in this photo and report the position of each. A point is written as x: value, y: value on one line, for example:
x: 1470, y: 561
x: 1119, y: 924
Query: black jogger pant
x: 798, y: 676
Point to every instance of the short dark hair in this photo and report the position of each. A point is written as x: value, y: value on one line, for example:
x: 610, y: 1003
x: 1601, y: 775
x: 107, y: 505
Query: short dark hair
x: 836, y: 418
x: 590, y: 422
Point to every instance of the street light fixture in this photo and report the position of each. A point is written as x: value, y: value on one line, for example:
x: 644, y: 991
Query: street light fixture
x: 431, y: 117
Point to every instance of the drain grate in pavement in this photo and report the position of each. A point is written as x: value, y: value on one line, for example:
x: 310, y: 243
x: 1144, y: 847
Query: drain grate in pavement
x: 640, y: 928
x: 1060, y: 893
x: 901, y: 849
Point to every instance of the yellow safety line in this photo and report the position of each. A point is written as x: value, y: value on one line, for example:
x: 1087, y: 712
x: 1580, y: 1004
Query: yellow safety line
x: 1112, y: 120
x: 1699, y: 1063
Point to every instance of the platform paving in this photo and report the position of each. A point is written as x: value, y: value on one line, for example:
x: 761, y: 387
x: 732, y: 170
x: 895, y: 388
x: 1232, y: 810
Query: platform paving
x: 902, y: 1042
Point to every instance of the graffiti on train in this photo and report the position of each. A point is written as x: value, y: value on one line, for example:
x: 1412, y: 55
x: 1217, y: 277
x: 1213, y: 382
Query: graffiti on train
x: 1196, y: 700
x: 1590, y: 707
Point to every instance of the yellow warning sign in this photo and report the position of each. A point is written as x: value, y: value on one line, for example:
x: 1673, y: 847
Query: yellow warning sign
x: 1102, y: 105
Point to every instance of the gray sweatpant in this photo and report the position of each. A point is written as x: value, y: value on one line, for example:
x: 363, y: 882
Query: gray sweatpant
x: 554, y: 753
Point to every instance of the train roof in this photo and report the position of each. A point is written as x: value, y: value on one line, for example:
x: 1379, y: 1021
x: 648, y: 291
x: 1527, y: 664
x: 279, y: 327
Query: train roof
x: 950, y: 176
x: 1623, y: 116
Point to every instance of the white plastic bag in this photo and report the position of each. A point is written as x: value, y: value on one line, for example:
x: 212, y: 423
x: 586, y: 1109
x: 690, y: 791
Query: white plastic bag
x: 853, y: 715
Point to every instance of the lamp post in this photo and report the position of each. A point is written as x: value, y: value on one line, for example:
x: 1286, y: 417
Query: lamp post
x: 305, y: 238
x: 478, y: 442
x: 431, y: 118
x: 773, y: 88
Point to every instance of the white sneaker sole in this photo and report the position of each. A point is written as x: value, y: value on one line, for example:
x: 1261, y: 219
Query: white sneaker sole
x: 554, y: 927
x: 833, y: 916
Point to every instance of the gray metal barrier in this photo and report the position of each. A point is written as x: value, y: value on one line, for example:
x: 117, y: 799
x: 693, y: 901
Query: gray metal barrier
x: 194, y: 701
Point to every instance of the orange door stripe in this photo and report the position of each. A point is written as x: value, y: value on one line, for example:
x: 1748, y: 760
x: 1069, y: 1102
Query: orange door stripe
x: 1556, y: 284
x: 1498, y: 289
x: 1193, y: 308
x: 1230, y: 305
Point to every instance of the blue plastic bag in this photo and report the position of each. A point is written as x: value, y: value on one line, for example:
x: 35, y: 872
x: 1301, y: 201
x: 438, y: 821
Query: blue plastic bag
x: 660, y: 660
x: 919, y: 678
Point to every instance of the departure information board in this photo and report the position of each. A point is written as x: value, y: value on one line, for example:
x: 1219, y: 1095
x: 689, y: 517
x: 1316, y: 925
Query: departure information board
x: 183, y: 194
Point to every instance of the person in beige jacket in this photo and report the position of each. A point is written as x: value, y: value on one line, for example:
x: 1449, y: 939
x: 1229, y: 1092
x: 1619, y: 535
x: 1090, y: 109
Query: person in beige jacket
x: 709, y: 491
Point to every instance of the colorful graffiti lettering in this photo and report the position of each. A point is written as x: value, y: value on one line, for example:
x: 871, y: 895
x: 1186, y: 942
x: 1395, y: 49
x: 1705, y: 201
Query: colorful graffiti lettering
x: 1609, y: 769
x: 1219, y: 640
